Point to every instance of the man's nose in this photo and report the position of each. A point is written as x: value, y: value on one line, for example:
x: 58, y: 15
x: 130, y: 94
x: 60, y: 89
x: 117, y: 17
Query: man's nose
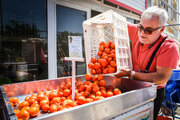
x: 142, y: 32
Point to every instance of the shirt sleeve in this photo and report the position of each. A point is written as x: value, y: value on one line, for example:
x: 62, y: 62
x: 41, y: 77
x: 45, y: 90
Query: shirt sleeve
x: 133, y: 32
x: 169, y: 55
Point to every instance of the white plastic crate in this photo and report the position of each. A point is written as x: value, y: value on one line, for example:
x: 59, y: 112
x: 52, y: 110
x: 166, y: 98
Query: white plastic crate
x: 105, y: 27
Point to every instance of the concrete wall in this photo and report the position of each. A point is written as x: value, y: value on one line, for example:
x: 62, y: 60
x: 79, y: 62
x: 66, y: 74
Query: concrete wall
x: 99, y: 6
x: 136, y: 4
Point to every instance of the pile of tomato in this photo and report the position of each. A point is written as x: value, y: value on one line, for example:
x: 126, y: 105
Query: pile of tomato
x: 93, y: 89
x: 106, y: 63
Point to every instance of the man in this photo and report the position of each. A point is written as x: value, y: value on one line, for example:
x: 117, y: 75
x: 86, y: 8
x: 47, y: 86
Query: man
x: 145, y: 38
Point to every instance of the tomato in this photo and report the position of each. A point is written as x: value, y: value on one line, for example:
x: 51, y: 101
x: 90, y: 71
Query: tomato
x: 103, y: 92
x: 44, y: 102
x: 88, y: 76
x: 31, y: 101
x: 102, y: 83
x: 86, y: 93
x: 94, y: 78
x: 99, y: 53
x: 91, y: 65
x: 66, y: 92
x: 96, y: 83
x: 109, y: 93
x: 41, y: 97
x: 68, y: 86
x: 103, y: 62
x: 81, y: 100
x: 33, y: 96
x: 107, y: 50
x: 105, y: 57
x: 60, y: 108
x: 24, y: 114
x: 40, y: 92
x: 35, y: 105
x: 111, y: 70
x: 113, y: 63
x: 117, y: 91
x: 92, y: 96
x: 109, y: 59
x: 99, y: 97
x: 33, y: 111
x: 45, y: 107
x: 110, y: 88
x: 23, y: 104
x: 112, y: 45
x: 99, y: 71
x: 74, y: 103
x: 53, y: 94
x: 67, y: 103
x: 27, y: 98
x: 95, y: 88
x: 93, y: 60
x: 110, y: 42
x: 101, y: 48
x: 88, y: 88
x: 106, y: 45
x: 88, y: 100
x: 46, y: 93
x: 26, y: 108
x: 104, y: 54
x: 98, y: 93
x: 82, y: 88
x: 102, y: 88
x: 14, y: 100
x: 97, y: 65
x: 100, y: 77
x: 102, y: 43
x: 56, y: 100
x: 93, y: 72
x: 105, y: 71
x: 53, y: 108
x: 113, y: 51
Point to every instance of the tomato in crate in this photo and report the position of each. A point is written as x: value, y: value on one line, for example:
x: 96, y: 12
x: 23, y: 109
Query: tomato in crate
x: 107, y: 45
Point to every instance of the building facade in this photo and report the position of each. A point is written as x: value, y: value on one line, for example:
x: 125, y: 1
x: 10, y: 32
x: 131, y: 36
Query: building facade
x: 35, y: 35
x: 172, y: 7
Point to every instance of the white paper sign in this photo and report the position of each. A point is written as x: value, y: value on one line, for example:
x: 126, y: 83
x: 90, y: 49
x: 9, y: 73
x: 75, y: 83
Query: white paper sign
x: 75, y: 46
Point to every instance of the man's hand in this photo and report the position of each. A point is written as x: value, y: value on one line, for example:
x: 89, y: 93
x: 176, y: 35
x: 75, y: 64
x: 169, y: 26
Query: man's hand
x: 124, y: 73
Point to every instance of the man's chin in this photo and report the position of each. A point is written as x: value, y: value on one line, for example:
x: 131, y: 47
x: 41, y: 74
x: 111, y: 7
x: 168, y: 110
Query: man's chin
x: 142, y: 41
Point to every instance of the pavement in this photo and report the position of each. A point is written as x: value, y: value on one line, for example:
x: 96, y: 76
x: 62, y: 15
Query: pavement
x: 177, y: 113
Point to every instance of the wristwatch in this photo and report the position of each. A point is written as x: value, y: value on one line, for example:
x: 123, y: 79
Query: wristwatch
x: 132, y: 74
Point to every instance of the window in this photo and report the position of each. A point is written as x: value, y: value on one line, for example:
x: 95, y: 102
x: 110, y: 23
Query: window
x: 23, y: 40
x: 69, y: 25
x: 94, y: 13
x: 164, y: 4
x: 174, y: 14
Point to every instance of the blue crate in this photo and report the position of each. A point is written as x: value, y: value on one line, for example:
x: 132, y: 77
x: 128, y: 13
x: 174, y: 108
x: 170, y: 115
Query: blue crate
x: 170, y: 86
x: 175, y: 75
x: 172, y: 91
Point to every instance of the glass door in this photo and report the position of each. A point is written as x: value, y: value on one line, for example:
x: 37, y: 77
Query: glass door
x: 23, y: 41
x: 69, y: 38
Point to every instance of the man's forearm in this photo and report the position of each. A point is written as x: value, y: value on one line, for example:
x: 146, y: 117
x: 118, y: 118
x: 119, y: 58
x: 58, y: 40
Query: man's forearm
x: 150, y: 77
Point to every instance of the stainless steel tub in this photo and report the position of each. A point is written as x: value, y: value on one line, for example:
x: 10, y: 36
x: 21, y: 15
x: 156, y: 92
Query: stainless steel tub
x: 135, y: 93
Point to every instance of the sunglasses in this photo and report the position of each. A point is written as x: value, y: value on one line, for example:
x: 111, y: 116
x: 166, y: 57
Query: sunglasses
x: 150, y: 30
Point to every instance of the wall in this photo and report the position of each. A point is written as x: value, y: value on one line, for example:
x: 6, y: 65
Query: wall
x: 99, y: 6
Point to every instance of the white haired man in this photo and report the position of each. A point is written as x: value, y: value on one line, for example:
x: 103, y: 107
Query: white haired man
x: 154, y: 55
